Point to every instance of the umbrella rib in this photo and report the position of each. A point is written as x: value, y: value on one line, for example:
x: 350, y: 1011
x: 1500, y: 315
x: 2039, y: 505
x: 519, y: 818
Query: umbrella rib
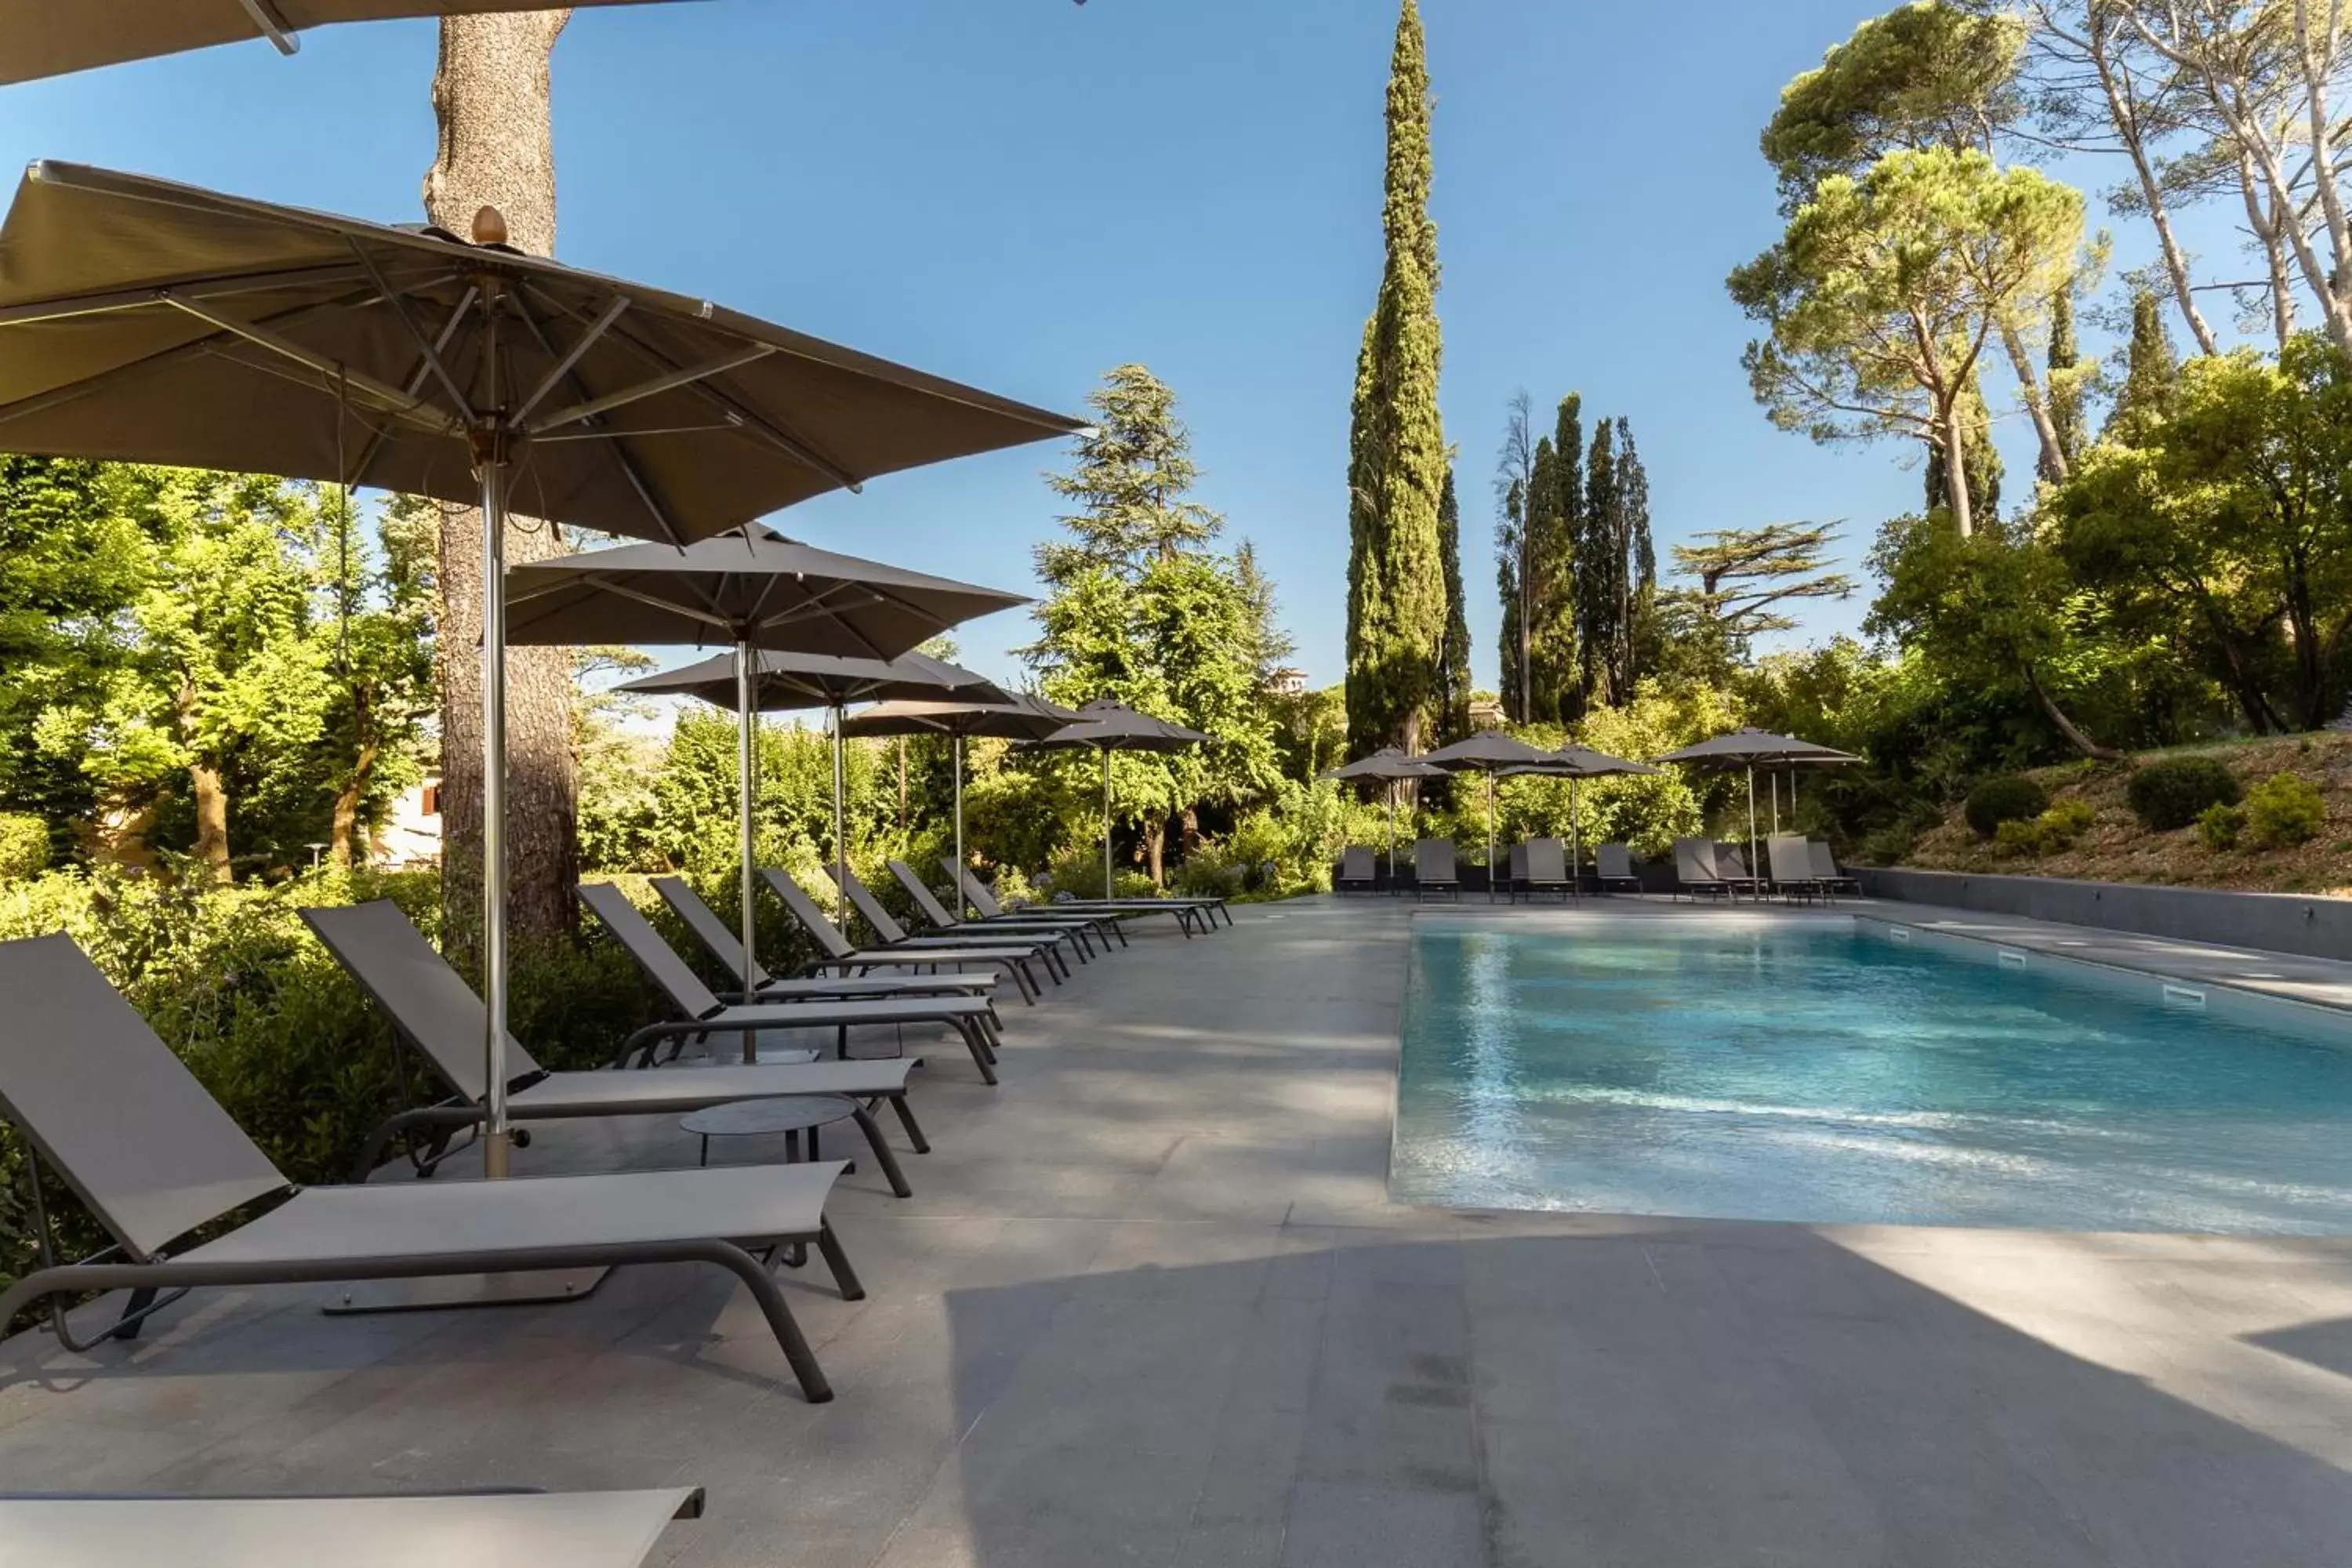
x: 669, y: 607
x: 562, y: 369
x: 415, y: 383
x: 794, y: 446
x: 621, y: 458
x: 273, y: 26
x: 222, y: 286
x: 394, y: 400
x: 670, y: 380
x: 425, y: 345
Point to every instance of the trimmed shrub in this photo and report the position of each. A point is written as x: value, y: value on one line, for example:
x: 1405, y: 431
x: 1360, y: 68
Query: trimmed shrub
x: 2219, y: 825
x: 2284, y: 810
x: 2173, y: 794
x: 24, y: 845
x: 2054, y: 830
x: 2008, y: 797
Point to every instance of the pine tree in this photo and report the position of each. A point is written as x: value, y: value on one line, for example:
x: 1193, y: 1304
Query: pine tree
x: 1396, y: 446
x: 1133, y: 472
x: 1985, y: 467
x: 1452, y: 708
x: 2066, y: 380
x: 2150, y: 373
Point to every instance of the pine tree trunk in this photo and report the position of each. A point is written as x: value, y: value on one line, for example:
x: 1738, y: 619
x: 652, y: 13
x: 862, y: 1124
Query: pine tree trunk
x: 2066, y: 726
x: 497, y: 149
x: 343, y: 836
x: 2052, y: 465
x: 211, y: 820
x: 1956, y: 470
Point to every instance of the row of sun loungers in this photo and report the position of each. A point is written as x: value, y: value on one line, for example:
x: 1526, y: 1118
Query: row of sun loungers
x: 1797, y: 868
x: 107, y: 1107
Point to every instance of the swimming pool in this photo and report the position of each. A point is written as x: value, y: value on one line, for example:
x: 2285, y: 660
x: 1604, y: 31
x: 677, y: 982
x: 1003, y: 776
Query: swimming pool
x: 1822, y: 1070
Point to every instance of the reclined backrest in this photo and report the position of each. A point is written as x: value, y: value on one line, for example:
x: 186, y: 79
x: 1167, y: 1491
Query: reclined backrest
x: 663, y: 966
x: 429, y: 1003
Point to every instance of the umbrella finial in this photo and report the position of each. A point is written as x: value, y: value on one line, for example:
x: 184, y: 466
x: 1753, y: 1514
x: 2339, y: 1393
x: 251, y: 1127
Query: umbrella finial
x: 490, y: 227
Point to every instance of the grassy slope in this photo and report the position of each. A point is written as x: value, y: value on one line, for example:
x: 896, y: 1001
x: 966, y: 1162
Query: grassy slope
x: 2116, y: 848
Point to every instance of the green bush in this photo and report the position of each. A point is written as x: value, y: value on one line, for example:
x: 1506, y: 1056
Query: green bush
x: 2006, y: 797
x: 2284, y: 810
x: 2175, y: 793
x: 2219, y: 826
x: 2054, y: 830
x: 24, y: 845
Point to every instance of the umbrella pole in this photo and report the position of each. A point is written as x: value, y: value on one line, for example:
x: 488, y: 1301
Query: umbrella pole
x: 958, y: 803
x: 746, y: 761
x: 1106, y: 881
x: 840, y: 837
x: 496, y: 1145
x: 1490, y: 836
x: 1392, y: 881
x: 1575, y: 842
x: 1755, y: 870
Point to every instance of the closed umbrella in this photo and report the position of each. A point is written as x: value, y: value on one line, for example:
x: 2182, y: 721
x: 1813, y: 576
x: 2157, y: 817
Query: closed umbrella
x: 149, y: 321
x: 1574, y: 763
x: 1745, y: 749
x: 1389, y: 765
x: 52, y: 37
x: 1025, y: 717
x: 1108, y: 727
x: 781, y: 682
x: 1484, y: 752
x: 753, y: 589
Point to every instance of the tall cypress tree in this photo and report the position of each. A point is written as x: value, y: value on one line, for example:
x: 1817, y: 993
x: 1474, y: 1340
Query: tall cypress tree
x: 1637, y: 651
x: 2149, y: 370
x: 1599, y: 562
x: 2066, y: 381
x: 1396, y: 443
x: 1555, y: 519
x: 1506, y: 587
x: 1452, y: 708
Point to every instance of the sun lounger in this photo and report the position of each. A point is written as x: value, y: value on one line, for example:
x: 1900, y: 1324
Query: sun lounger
x: 841, y: 953
x: 1733, y: 863
x: 455, y: 1529
x: 100, y: 1100
x: 1547, y: 868
x: 1826, y: 870
x: 1046, y: 949
x: 1192, y: 914
x: 436, y: 1012
x: 1695, y: 872
x: 1432, y: 869
x: 1514, y: 878
x: 1358, y: 872
x: 1793, y: 868
x: 702, y: 1014
x: 762, y: 986
x: 1085, y: 931
x: 1617, y: 871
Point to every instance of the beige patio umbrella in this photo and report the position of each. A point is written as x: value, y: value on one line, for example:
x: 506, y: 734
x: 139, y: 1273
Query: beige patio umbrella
x: 53, y: 37
x: 149, y: 321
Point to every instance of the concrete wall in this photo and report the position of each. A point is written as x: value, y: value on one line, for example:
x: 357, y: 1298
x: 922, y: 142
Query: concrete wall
x: 2278, y: 922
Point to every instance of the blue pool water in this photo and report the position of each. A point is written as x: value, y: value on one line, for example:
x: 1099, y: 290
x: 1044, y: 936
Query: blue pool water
x: 1823, y: 1073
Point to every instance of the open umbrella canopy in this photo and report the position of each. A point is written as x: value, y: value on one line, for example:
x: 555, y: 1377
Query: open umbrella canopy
x: 227, y: 333
x: 1386, y: 765
x: 51, y: 38
x: 1023, y: 718
x: 781, y: 681
x: 1576, y: 761
x: 754, y: 587
x: 1115, y: 727
x: 1746, y: 748
x: 1485, y: 750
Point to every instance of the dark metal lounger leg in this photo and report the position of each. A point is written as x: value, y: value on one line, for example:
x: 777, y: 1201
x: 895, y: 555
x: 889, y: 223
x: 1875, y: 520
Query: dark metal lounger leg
x: 882, y: 1155
x: 837, y: 1261
x: 979, y: 1053
x: 907, y: 1120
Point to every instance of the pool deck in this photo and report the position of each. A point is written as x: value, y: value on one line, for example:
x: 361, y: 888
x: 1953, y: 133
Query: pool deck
x: 1150, y: 1306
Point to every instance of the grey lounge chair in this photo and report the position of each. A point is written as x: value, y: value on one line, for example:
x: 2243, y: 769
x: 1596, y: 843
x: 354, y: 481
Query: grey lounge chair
x: 155, y: 1159
x: 1826, y: 869
x: 1547, y: 868
x: 841, y: 953
x: 1793, y: 868
x: 436, y: 1012
x: 466, y: 1529
x: 702, y: 1014
x: 1432, y: 869
x: 762, y: 986
x: 1192, y: 914
x: 1696, y: 870
x: 1085, y: 931
x: 1515, y: 881
x: 1045, y: 948
x: 1616, y: 869
x: 1358, y: 872
x: 1732, y: 861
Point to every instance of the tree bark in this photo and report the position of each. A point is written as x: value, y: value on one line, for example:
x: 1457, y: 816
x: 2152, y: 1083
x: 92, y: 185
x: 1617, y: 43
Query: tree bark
x: 2053, y: 464
x: 211, y: 820
x: 497, y: 149
x: 2123, y: 111
x: 2066, y: 726
x: 1956, y: 470
x: 344, y: 835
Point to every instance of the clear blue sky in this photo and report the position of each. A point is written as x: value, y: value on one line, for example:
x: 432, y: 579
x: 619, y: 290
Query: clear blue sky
x: 1022, y: 192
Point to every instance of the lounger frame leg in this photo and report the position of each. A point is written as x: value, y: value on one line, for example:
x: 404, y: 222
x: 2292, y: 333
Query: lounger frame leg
x: 905, y: 1113
x: 844, y: 1275
x: 883, y: 1156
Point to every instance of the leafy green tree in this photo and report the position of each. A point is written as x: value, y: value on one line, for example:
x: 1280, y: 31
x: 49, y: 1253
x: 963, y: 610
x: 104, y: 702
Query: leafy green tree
x: 1878, y: 301
x: 1983, y: 464
x: 1396, y: 444
x: 1452, y: 714
x: 378, y: 623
